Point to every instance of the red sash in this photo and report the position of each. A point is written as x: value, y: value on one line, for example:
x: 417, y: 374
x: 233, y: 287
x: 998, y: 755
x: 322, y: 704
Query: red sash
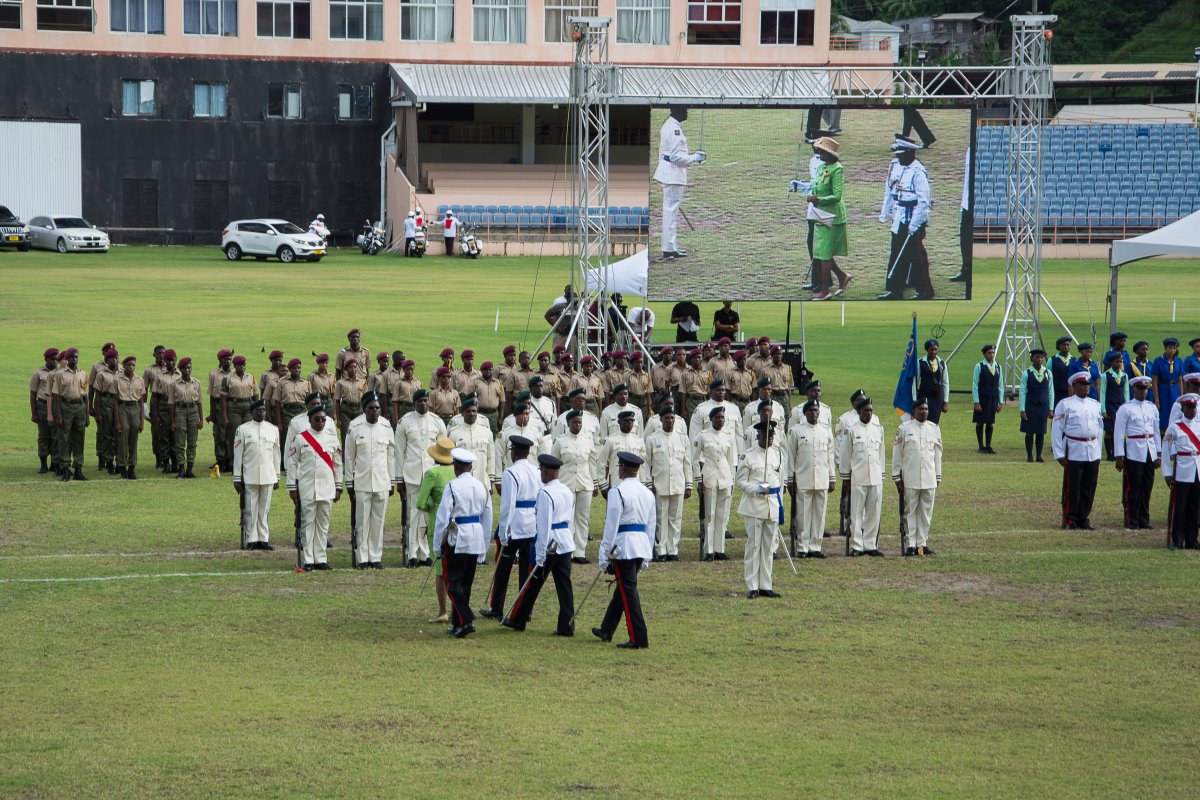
x: 1195, y: 441
x: 320, y: 451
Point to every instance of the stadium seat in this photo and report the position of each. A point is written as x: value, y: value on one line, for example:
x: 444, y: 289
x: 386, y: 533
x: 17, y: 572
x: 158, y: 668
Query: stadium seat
x: 442, y: 209
x: 502, y: 209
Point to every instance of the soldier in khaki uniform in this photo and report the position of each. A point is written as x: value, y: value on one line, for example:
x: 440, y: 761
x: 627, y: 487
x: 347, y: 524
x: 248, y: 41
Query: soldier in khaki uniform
x: 669, y: 465
x: 270, y: 375
x: 380, y: 382
x: 237, y: 393
x: 103, y: 392
x: 721, y: 365
x: 68, y: 411
x: 490, y: 393
x: 256, y: 473
x: 740, y: 381
x: 761, y: 357
x: 403, y: 390
x: 641, y: 386
x: 590, y: 381
x: 444, y: 400
x: 693, y: 385
x: 663, y: 373
x: 288, y: 395
x: 353, y: 353
x: 130, y: 416
x: 150, y: 378
x: 507, y: 365
x: 463, y: 378
x: 160, y: 414
x: 617, y: 374
x: 183, y: 399
x: 347, y: 397
x: 781, y: 380
x: 550, y: 382
x: 221, y: 435
x: 390, y: 378
x: 104, y: 440
x: 322, y: 381
x: 447, y: 357
x: 370, y: 476
x: 39, y: 408
x: 517, y: 379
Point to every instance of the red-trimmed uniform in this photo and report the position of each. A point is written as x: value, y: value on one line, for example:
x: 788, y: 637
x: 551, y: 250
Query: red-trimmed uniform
x: 627, y: 545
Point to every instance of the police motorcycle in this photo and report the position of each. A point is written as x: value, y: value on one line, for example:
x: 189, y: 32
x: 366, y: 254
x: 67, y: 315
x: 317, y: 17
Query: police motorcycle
x: 468, y: 244
x: 371, y: 240
x: 317, y: 228
x: 419, y: 243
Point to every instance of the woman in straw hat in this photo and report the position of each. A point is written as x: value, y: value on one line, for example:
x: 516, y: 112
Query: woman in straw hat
x: 829, y: 238
x: 433, y: 485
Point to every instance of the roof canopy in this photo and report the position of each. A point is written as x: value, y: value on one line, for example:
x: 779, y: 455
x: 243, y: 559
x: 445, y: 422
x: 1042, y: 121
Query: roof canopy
x: 1182, y: 237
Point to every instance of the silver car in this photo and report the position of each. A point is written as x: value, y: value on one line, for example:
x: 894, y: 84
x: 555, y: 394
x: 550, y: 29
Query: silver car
x: 67, y: 234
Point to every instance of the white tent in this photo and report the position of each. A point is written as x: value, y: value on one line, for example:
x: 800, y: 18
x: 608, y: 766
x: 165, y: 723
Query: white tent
x: 1181, y: 237
x: 627, y: 276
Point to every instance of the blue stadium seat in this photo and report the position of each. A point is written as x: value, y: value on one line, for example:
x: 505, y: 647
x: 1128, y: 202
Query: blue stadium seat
x: 539, y: 210
x: 502, y: 209
x: 456, y: 208
x: 442, y: 209
x: 491, y: 210
x: 523, y: 220
x: 510, y: 220
x: 526, y: 209
x: 624, y: 210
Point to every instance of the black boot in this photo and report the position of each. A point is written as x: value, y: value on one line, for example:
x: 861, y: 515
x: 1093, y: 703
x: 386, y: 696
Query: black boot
x: 179, y: 473
x: 112, y: 468
x: 131, y: 474
x: 44, y: 469
x: 79, y: 476
x: 64, y: 474
x: 189, y: 473
x: 100, y: 465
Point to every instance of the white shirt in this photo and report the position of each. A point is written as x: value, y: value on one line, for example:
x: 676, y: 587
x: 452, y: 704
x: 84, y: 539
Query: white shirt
x: 702, y: 422
x: 464, y: 517
x: 518, y: 491
x: 554, y: 513
x: 307, y: 472
x: 256, y: 454
x: 579, y: 454
x: 844, y: 422
x: 414, y: 435
x: 1135, y: 431
x: 629, y: 503
x: 654, y: 425
x: 917, y: 455
x: 591, y: 423
x: 861, y: 453
x: 478, y: 439
x: 607, y: 459
x: 450, y: 226
x: 608, y: 419
x: 760, y: 477
x: 669, y: 463
x: 641, y: 320
x: 824, y: 416
x: 750, y: 418
x: 905, y: 186
x: 1077, y: 428
x: 810, y: 457
x: 532, y: 432
x: 1179, y: 453
x: 673, y: 156
x: 410, y: 227
x: 715, y: 457
x: 370, y: 456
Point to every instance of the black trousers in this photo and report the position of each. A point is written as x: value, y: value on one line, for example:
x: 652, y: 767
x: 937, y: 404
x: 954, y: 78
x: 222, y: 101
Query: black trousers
x: 914, y: 121
x: 458, y: 571
x: 935, y: 407
x: 1079, y: 491
x: 684, y: 336
x: 1138, y: 484
x: 450, y: 240
x: 966, y: 237
x: 558, y: 565
x: 625, y: 601
x: 518, y: 551
x: 908, y: 262
x: 1185, y: 514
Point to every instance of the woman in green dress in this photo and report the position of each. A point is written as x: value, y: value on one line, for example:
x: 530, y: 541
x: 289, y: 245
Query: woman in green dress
x: 829, y: 240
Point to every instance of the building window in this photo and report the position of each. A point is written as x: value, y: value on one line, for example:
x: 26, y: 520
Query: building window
x: 139, y: 202
x: 210, y: 205
x: 787, y: 22
x: 210, y: 17
x: 354, y: 102
x: 284, y: 19
x: 137, y: 99
x: 283, y: 100
x: 643, y: 21
x: 64, y: 15
x: 714, y: 21
x: 427, y: 20
x: 209, y: 99
x: 136, y: 16
x: 559, y: 13
x: 10, y: 15
x: 356, y: 19
x: 500, y: 21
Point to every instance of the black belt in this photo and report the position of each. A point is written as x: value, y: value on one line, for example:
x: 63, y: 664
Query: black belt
x: 186, y: 405
x: 293, y: 408
x: 488, y: 410
x: 129, y: 402
x: 242, y: 401
x: 68, y: 400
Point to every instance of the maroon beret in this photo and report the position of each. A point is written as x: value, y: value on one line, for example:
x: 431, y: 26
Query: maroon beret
x: 224, y: 352
x: 512, y: 348
x: 446, y: 353
x: 185, y: 362
x: 323, y: 358
x: 275, y: 354
x: 239, y: 359
x: 169, y: 354
x: 467, y: 354
x: 50, y: 352
x: 381, y: 357
x: 295, y: 362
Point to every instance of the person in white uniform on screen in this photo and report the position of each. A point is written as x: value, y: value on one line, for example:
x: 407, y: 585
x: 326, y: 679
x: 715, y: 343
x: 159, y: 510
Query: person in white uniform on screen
x: 672, y: 172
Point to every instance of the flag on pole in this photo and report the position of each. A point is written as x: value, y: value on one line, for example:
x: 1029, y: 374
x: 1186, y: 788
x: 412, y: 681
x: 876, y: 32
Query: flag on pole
x: 903, y: 399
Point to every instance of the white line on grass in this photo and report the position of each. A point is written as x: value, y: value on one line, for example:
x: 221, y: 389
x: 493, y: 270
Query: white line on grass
x: 182, y: 554
x: 97, y: 579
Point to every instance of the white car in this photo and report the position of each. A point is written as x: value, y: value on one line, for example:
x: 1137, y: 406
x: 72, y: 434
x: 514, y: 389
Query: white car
x: 270, y: 237
x: 66, y: 234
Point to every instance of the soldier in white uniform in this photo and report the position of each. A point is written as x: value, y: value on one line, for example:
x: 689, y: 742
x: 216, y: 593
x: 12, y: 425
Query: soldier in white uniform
x: 654, y: 424
x: 751, y: 417
x: 1181, y: 456
x: 672, y: 173
x: 844, y: 422
x: 760, y: 476
x: 608, y: 416
x: 861, y: 460
x: 473, y: 432
x: 577, y: 400
x: 917, y: 471
x: 554, y: 514
x: 1137, y: 447
x: 579, y: 453
x: 417, y: 432
x: 541, y: 406
x: 314, y: 469
x: 370, y: 478
x: 907, y: 201
x: 811, y: 474
x: 518, y: 492
x: 812, y: 390
x: 715, y: 451
x: 1075, y: 437
x: 629, y: 527
x: 520, y: 423
x: 460, y: 533
x: 256, y: 474
x: 718, y: 397
x: 623, y: 440
x: 669, y: 466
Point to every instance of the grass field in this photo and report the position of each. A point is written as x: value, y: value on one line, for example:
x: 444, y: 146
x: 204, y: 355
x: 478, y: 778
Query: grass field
x: 749, y: 237
x: 145, y: 656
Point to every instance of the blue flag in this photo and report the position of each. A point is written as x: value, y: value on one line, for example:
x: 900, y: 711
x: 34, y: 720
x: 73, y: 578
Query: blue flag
x: 903, y: 400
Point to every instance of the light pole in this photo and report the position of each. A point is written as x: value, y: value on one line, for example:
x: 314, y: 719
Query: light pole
x: 1196, y: 102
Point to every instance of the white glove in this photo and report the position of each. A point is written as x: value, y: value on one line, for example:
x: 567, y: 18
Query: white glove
x: 884, y: 218
x: 482, y: 559
x: 762, y: 489
x: 603, y: 566
x: 699, y: 157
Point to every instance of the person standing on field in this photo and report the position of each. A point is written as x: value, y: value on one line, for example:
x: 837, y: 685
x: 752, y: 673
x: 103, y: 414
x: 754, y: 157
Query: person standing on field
x: 674, y: 159
x: 760, y: 476
x: 221, y: 434
x: 314, y: 466
x: 811, y: 475
x: 256, y: 473
x: 68, y: 412
x: 130, y: 416
x: 369, y: 476
x: 39, y: 407
x: 917, y: 471
x: 183, y: 399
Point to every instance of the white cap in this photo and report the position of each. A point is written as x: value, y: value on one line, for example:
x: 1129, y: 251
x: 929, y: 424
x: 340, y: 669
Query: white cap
x: 462, y: 455
x: 1190, y: 399
x: 412, y: 213
x: 1140, y: 380
x: 904, y: 143
x: 1080, y: 376
x: 1192, y: 377
x: 449, y: 213
x: 320, y: 216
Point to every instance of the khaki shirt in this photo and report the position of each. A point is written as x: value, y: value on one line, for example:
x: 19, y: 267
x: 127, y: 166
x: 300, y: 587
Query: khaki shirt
x: 781, y: 377
x: 129, y: 389
x: 719, y: 367
x: 517, y: 381
x: 182, y: 391
x: 404, y: 388
x: 163, y: 381
x: 40, y: 382
x: 463, y: 380
x: 236, y: 388
x: 322, y: 383
x: 640, y: 383
x: 756, y: 362
x: 363, y: 356
x: 370, y: 456
x: 106, y: 381
x: 380, y: 382
x: 444, y: 402
x: 740, y: 383
x: 216, y: 382
x: 389, y: 380
x: 95, y: 368
x: 694, y: 382
x: 591, y: 385
x: 70, y: 384
x: 501, y: 372
x: 256, y: 454
x: 150, y: 376
x: 662, y: 377
x: 289, y: 391
x: 491, y: 393
x: 268, y: 377
x: 551, y: 385
x: 614, y: 377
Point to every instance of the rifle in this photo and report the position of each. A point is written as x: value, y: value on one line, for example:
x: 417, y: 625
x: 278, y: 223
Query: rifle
x: 242, y: 514
x: 588, y: 593
x: 404, y: 528
x: 550, y: 551
x: 844, y: 521
x: 792, y: 520
x: 700, y: 496
x: 299, y: 532
x: 903, y: 521
x: 354, y: 562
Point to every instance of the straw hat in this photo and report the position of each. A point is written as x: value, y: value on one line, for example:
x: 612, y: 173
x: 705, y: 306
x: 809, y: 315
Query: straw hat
x: 440, y: 450
x: 828, y: 144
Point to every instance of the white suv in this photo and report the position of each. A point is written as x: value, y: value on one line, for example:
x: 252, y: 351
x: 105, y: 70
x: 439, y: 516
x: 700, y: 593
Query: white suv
x: 270, y: 237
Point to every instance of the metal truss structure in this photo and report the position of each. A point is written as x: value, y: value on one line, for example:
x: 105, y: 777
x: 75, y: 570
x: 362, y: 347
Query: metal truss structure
x: 1026, y: 83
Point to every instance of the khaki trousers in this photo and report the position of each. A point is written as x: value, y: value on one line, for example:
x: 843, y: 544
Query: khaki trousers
x: 160, y: 429
x: 716, y: 518
x: 314, y: 519
x: 239, y: 414
x: 187, y: 428
x: 127, y: 439
x: 258, y: 507
x: 810, y: 518
x: 106, y: 428
x: 581, y: 523
x: 918, y: 508
x: 45, y: 437
x: 760, y: 546
x: 370, y: 510
x: 670, y: 523
x: 866, y: 503
x: 221, y: 448
x: 418, y: 520
x: 70, y: 435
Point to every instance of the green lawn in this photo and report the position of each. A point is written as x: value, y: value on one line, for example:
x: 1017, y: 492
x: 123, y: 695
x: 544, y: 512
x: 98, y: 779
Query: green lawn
x: 145, y: 656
